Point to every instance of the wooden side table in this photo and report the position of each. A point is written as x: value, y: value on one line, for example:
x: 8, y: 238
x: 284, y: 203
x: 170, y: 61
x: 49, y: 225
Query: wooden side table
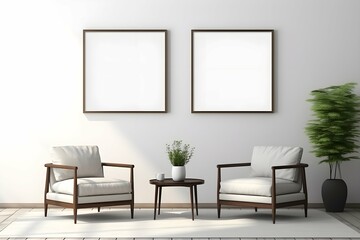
x: 191, y: 183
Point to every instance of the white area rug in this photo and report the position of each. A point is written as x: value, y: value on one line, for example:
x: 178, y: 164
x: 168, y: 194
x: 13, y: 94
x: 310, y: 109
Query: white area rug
x: 114, y: 223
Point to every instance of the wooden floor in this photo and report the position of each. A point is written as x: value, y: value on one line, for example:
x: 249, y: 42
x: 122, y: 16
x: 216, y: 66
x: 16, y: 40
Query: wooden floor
x: 350, y: 217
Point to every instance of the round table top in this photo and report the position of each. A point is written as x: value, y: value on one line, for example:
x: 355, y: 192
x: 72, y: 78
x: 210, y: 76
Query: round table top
x: 171, y: 182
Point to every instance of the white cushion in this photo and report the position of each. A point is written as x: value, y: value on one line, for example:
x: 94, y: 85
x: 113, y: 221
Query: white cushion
x: 93, y: 186
x: 258, y: 186
x: 86, y: 158
x: 261, y: 199
x: 264, y: 157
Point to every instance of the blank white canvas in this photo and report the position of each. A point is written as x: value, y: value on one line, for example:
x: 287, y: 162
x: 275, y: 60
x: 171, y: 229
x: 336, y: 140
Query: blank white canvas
x: 125, y: 71
x: 232, y: 71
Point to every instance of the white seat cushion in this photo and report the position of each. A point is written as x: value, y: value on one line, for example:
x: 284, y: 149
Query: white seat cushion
x: 258, y: 186
x: 86, y: 158
x: 262, y: 199
x: 93, y: 186
x: 264, y: 157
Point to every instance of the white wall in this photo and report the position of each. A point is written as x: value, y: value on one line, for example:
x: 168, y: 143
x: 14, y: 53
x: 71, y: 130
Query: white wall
x: 317, y: 44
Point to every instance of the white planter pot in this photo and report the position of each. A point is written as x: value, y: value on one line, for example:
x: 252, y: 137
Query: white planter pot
x: 178, y: 173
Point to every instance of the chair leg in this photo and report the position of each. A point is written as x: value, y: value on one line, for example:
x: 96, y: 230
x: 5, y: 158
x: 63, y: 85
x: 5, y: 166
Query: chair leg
x: 45, y: 209
x: 132, y: 210
x: 256, y: 209
x: 273, y: 214
x: 75, y: 215
x: 218, y: 209
x: 98, y: 209
x: 305, y: 209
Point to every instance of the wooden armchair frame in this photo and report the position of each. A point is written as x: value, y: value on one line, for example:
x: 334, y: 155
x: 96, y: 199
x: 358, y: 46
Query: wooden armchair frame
x: 273, y: 205
x: 75, y: 205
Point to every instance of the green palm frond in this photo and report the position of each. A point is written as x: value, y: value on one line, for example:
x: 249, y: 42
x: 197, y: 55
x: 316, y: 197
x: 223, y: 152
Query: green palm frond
x: 335, y: 129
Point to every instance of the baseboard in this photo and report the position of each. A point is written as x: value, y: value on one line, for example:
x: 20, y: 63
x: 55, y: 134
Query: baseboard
x: 164, y: 205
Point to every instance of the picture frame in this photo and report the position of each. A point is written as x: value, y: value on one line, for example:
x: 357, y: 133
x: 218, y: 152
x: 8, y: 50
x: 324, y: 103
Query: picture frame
x: 232, y: 71
x: 124, y: 71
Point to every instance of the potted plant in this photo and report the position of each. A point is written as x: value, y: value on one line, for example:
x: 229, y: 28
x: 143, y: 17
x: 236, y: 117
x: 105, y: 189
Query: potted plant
x: 334, y: 133
x: 179, y: 155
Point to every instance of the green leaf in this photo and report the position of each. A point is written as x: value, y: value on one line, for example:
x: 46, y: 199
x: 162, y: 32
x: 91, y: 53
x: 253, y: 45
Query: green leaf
x: 334, y: 131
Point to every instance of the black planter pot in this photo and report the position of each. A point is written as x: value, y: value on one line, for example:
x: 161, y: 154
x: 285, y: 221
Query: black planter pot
x: 334, y: 194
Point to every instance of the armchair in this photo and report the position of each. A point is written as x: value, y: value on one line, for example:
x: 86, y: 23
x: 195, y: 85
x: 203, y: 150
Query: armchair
x: 277, y: 179
x: 75, y: 179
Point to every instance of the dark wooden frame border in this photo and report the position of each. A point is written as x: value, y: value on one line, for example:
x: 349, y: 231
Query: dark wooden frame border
x: 125, y: 30
x: 273, y: 205
x: 232, y: 30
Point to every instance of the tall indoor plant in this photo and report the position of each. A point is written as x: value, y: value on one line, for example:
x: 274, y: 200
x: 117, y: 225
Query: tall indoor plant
x: 179, y: 155
x: 334, y: 133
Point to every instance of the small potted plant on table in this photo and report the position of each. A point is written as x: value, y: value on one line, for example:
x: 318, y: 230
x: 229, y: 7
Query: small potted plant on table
x: 179, y: 155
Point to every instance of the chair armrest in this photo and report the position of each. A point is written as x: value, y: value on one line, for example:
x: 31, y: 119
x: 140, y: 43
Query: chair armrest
x: 301, y: 165
x: 51, y: 165
x: 229, y: 165
x: 123, y: 165
x: 66, y: 167
x: 233, y: 165
x: 118, y: 165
